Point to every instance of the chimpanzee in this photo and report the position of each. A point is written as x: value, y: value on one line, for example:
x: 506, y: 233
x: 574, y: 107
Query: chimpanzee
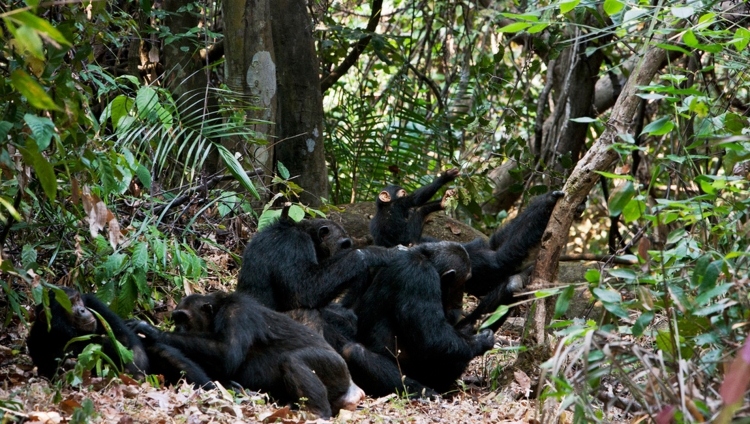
x: 306, y: 264
x: 47, y: 343
x: 396, y: 220
x: 235, y: 338
x: 174, y: 365
x: 337, y: 324
x: 402, y: 318
x: 499, y: 268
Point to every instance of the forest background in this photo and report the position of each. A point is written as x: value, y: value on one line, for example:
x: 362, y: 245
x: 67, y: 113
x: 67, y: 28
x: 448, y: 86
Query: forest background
x: 140, y: 142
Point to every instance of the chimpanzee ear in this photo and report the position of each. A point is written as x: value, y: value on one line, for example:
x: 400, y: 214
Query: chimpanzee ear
x: 401, y: 193
x: 323, y: 231
x: 449, y: 275
x: 208, y: 309
x: 384, y: 197
x: 180, y: 316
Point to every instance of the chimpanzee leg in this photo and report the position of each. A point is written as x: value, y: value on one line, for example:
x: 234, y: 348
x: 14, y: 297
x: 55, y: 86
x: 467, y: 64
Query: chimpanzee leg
x: 300, y: 381
x: 378, y: 375
x: 503, y: 294
x: 173, y: 364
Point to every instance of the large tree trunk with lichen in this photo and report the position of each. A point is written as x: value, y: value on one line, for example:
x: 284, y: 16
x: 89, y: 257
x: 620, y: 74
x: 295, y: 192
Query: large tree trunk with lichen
x: 250, y: 69
x: 300, y: 102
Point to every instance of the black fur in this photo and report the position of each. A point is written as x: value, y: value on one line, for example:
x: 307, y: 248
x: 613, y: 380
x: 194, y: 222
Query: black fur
x: 47, y: 344
x: 291, y: 265
x: 400, y: 217
x: 234, y: 338
x: 498, y: 266
x: 402, y: 319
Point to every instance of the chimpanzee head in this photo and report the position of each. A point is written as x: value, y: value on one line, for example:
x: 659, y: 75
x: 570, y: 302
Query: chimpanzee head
x: 79, y: 316
x: 195, y: 313
x: 328, y: 237
x: 450, y: 259
x: 389, y: 194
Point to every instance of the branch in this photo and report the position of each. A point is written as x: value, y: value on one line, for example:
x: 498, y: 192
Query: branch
x: 599, y: 158
x: 359, y: 47
x: 599, y: 258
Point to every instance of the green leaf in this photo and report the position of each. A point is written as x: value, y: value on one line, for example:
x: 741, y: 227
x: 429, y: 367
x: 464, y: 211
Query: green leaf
x: 659, y: 127
x: 606, y: 295
x: 296, y: 213
x: 268, y: 217
x: 28, y: 256
x: 119, y: 108
x: 41, y: 25
x: 537, y: 28
x: 29, y: 41
x: 5, y: 128
x: 515, y: 27
x: 33, y: 92
x: 563, y: 301
x: 283, y: 171
x: 682, y: 12
x: 140, y: 255
x: 42, y: 129
x: 11, y: 209
x: 700, y: 269
x: 593, y: 276
x: 114, y: 263
x: 613, y: 6
x: 615, y: 176
x: 44, y: 170
x: 633, y: 210
x: 620, y: 197
x: 146, y: 101
x: 144, y: 175
x: 567, y: 6
x: 742, y: 36
x: 625, y: 274
x: 712, y: 294
x: 499, y: 313
x: 640, y: 324
x: 236, y: 169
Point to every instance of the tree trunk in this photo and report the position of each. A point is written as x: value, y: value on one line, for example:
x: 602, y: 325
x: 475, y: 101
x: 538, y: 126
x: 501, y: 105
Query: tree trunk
x: 599, y: 158
x: 250, y: 68
x: 299, y: 127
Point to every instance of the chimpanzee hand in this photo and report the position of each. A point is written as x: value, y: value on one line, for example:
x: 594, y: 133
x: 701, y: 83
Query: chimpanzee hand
x: 483, y: 341
x: 147, y: 332
x: 449, y: 175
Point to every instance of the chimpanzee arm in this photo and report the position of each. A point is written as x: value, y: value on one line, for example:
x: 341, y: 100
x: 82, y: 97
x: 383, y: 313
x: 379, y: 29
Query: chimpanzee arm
x: 423, y: 194
x: 515, y: 239
x: 309, y: 284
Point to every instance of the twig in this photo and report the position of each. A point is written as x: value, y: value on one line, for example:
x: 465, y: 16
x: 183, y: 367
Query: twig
x: 599, y: 258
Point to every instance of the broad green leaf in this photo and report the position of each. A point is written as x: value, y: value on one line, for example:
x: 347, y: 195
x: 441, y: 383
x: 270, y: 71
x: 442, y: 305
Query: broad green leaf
x: 742, y: 37
x: 296, y: 213
x: 29, y: 41
x: 119, y: 108
x: 5, y: 128
x: 633, y: 13
x: 641, y: 323
x: 33, y: 92
x: 144, y: 175
x: 28, y: 256
x: 713, y: 271
x: 706, y: 296
x: 146, y: 101
x: 43, y: 169
x: 700, y: 269
x: 620, y: 197
x: 613, y: 6
x: 625, y: 274
x: 593, y: 276
x: 40, y: 25
x: 42, y: 129
x: 268, y: 217
x: 236, y: 169
x: 563, y: 301
x: 501, y: 311
x: 633, y: 210
x: 515, y: 27
x: 10, y: 208
x: 537, y: 28
x: 606, y: 295
x: 140, y: 255
x: 659, y: 127
x: 283, y: 171
x: 567, y: 6
x: 673, y: 48
x: 114, y: 263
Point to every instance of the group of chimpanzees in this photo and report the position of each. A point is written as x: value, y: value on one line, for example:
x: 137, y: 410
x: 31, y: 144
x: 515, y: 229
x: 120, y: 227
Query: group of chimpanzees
x: 314, y: 317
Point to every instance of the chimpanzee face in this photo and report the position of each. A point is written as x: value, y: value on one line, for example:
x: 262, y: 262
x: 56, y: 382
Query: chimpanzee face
x: 79, y: 316
x: 329, y: 238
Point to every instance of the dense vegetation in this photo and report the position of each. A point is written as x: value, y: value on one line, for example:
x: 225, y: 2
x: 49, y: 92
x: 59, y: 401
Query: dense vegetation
x: 113, y: 178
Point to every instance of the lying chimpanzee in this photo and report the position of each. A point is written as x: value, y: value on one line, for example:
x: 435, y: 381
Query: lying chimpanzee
x: 234, y: 338
x: 306, y: 264
x: 402, y: 321
x: 400, y: 217
x: 47, y: 343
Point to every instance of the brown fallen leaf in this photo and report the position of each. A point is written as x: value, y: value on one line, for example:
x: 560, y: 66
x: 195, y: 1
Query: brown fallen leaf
x: 279, y: 414
x: 69, y: 405
x: 453, y: 227
x: 524, y: 381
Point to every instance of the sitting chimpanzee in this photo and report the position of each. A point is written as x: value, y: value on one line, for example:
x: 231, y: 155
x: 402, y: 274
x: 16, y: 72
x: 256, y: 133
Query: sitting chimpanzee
x: 499, y: 268
x: 400, y: 217
x: 47, y: 343
x: 306, y: 264
x: 401, y: 320
x: 234, y: 338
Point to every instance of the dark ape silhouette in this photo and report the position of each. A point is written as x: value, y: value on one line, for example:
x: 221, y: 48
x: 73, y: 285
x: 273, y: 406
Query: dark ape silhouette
x: 236, y: 339
x: 400, y: 217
